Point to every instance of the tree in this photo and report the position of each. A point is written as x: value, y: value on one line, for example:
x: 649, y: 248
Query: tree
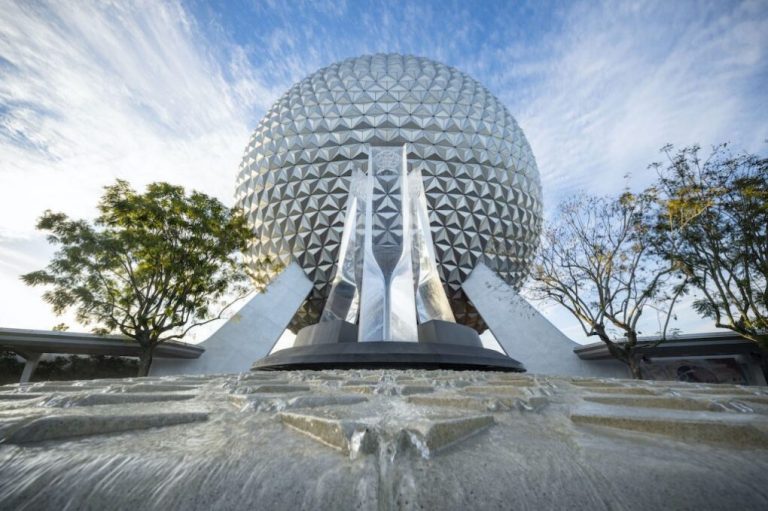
x: 594, y: 261
x: 713, y: 224
x: 152, y: 266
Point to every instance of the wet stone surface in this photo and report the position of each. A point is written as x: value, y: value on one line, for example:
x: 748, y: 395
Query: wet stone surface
x: 382, y: 439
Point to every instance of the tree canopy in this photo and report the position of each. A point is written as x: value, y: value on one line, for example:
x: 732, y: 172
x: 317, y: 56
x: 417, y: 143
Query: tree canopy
x: 713, y: 224
x: 595, y: 262
x: 702, y: 227
x: 151, y: 266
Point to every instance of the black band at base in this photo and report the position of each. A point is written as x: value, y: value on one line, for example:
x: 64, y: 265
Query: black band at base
x: 395, y: 355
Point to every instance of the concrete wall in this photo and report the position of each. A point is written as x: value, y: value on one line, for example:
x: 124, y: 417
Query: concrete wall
x: 248, y: 335
x: 526, y: 335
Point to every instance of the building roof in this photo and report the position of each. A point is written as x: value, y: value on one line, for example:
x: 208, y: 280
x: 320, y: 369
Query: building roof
x: 49, y: 341
x: 687, y: 345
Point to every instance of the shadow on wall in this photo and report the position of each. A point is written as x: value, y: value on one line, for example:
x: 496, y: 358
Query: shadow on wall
x: 73, y: 367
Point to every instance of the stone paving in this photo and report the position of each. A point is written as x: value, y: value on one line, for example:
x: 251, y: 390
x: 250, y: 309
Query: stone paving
x: 382, y: 439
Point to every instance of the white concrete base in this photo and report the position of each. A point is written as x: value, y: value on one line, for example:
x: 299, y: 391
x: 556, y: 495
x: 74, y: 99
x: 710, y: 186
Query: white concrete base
x: 526, y: 335
x: 248, y: 335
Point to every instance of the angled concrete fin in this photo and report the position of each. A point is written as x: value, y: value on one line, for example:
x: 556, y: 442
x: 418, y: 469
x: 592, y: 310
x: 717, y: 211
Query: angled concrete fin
x: 248, y: 335
x: 525, y: 334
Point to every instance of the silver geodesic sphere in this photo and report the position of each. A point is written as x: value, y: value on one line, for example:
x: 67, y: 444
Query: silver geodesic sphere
x: 480, y: 176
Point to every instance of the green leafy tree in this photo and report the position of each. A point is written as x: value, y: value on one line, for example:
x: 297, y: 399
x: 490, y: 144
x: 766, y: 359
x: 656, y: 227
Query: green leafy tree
x: 152, y: 266
x: 713, y: 224
x: 594, y: 261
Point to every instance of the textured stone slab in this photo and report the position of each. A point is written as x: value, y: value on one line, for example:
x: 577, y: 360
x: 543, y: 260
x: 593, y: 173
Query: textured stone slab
x: 587, y: 382
x: 115, y: 399
x: 507, y: 390
x: 325, y: 400
x: 53, y: 388
x: 511, y: 383
x: 364, y: 435
x: 408, y: 390
x: 674, y: 403
x: 466, y: 403
x: 441, y: 433
x: 273, y: 377
x: 622, y: 390
x: 262, y: 381
x: 328, y: 377
x: 159, y: 388
x: 334, y: 433
x: 15, y: 396
x: 362, y: 389
x: 55, y: 427
x: 735, y: 429
x: 763, y: 400
x: 361, y: 381
x: 728, y: 390
x: 263, y: 402
x: 274, y: 389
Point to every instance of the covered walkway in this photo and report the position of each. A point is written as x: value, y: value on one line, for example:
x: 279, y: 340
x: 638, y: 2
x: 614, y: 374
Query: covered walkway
x: 33, y: 344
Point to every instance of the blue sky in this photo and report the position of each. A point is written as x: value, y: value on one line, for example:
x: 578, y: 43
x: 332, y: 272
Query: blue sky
x: 170, y: 91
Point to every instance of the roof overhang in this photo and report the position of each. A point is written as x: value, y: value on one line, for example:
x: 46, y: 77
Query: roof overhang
x: 683, y: 346
x: 48, y: 341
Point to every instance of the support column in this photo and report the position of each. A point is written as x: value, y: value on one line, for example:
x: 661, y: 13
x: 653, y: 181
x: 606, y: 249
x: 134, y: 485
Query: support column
x: 31, y: 361
x: 248, y: 335
x: 525, y: 334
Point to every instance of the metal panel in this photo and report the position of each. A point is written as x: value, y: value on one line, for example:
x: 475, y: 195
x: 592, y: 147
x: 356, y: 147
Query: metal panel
x: 481, y: 182
x: 431, y: 301
x: 388, y: 306
x: 344, y: 299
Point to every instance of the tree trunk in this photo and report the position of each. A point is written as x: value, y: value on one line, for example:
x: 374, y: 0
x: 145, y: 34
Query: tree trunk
x: 633, y: 361
x: 145, y: 360
x: 634, y: 367
x: 620, y: 353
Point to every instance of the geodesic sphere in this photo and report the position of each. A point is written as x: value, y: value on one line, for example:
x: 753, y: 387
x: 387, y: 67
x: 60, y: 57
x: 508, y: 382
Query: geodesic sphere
x: 480, y: 176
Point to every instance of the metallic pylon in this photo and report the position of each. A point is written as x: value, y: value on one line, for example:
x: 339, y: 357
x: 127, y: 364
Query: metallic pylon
x: 388, y: 303
x: 386, y: 267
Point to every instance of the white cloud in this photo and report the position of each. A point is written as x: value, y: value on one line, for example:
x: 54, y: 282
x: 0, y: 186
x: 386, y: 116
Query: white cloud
x: 623, y: 79
x: 95, y: 92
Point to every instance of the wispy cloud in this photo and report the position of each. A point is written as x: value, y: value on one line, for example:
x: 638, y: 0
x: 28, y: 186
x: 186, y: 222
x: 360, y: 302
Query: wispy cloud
x: 94, y: 92
x: 623, y: 79
x: 91, y: 92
